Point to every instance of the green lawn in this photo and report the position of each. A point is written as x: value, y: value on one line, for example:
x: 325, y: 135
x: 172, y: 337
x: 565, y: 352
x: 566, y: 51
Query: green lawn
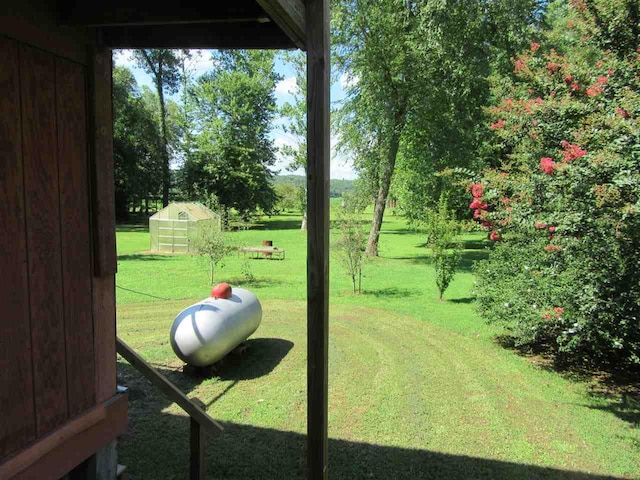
x: 418, y: 387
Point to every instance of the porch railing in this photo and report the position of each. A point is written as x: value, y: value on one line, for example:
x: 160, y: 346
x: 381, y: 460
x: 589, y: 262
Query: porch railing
x: 200, y: 421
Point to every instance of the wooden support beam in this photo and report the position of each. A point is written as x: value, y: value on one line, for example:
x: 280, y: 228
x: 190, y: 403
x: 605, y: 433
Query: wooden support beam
x: 197, y: 467
x: 169, y: 389
x: 318, y: 151
x: 199, y: 35
x: 99, y: 13
x: 101, y: 137
x: 290, y: 17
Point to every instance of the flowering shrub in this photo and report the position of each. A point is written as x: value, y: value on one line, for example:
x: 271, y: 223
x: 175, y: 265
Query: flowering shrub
x: 567, y: 271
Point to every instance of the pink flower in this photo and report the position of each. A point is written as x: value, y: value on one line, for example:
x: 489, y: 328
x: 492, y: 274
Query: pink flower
x: 547, y: 165
x: 594, y: 90
x: 571, y: 152
x: 568, y: 78
x: 539, y: 225
x: 553, y: 67
x: 520, y: 66
x: 552, y: 229
x: 558, y: 311
x: 609, y: 72
x: 476, y: 190
x: 486, y: 224
x: 478, y: 214
x: 622, y: 112
x: 497, y: 125
x: 495, y: 236
x: 603, y: 80
x: 575, y: 87
x: 535, y: 46
x: 506, y: 200
x: 477, y: 204
x: 546, y: 316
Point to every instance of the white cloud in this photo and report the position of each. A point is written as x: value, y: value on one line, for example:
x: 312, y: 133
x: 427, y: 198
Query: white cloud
x: 286, y: 86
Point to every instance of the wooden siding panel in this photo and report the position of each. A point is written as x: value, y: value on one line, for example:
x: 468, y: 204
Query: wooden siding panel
x: 76, y: 234
x: 37, y: 79
x: 104, y: 314
x: 17, y: 415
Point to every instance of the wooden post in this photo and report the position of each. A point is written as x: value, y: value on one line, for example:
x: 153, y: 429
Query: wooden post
x: 318, y: 151
x: 197, y: 465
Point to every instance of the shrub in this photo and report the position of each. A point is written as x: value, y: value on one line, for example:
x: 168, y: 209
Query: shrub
x: 211, y: 243
x: 442, y: 228
x: 350, y: 246
x: 565, y: 194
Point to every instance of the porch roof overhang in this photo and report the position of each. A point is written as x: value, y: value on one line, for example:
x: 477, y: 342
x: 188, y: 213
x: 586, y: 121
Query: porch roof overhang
x: 250, y: 24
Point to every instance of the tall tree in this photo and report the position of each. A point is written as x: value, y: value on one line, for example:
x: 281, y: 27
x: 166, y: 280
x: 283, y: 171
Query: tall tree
x: 136, y: 143
x: 235, y: 107
x: 373, y: 46
x: 296, y: 127
x: 164, y: 67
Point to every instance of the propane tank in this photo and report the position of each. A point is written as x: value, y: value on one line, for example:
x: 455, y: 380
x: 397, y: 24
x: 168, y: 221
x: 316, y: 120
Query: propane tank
x: 205, y: 332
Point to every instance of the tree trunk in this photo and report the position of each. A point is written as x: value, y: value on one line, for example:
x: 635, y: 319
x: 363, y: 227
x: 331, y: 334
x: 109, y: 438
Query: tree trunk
x: 383, y: 191
x: 166, y: 174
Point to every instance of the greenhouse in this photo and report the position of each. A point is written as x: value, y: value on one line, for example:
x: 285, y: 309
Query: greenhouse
x: 174, y: 228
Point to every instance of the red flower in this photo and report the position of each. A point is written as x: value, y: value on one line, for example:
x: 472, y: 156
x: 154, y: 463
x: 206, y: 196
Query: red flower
x: 552, y: 229
x: 547, y: 165
x: 568, y: 78
x: 477, y: 204
x: 553, y: 67
x: 603, y: 80
x: 594, y: 90
x: 546, y: 316
x: 497, y: 125
x: 622, y: 112
x: 535, y: 46
x: 495, y: 236
x: 520, y: 66
x: 539, y: 225
x: 571, y: 152
x: 477, y: 214
x: 558, y: 311
x: 609, y: 72
x: 575, y: 87
x: 476, y: 190
x: 486, y: 224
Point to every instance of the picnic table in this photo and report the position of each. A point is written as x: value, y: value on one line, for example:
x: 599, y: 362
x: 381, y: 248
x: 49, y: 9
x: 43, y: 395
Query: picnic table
x: 266, y: 252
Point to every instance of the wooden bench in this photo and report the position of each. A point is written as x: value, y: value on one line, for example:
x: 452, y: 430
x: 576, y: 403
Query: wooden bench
x: 266, y: 252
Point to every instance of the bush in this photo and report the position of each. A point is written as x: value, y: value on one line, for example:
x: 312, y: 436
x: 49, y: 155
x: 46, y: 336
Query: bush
x: 442, y: 228
x: 566, y: 193
x: 350, y: 246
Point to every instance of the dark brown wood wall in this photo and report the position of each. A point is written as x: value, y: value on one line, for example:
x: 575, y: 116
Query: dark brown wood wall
x: 47, y: 349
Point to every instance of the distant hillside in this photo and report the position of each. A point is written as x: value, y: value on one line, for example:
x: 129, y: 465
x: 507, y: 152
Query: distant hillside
x: 336, y: 187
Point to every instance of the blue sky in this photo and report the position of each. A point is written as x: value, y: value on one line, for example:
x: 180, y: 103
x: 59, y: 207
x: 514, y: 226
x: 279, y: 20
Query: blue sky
x: 341, y: 167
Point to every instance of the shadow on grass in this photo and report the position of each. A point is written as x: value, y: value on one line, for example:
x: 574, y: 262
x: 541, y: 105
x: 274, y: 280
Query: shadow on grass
x: 132, y: 227
x: 255, y: 283
x: 157, y: 447
x: 144, y: 257
x: 613, y: 389
x: 470, y: 257
x: 254, y: 358
x: 391, y: 292
x: 462, y: 300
